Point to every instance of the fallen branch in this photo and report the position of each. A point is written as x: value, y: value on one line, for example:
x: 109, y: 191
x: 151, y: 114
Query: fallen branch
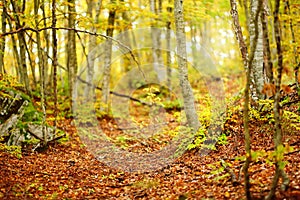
x: 34, y: 135
x: 233, y: 178
x: 57, y: 138
x: 117, y: 94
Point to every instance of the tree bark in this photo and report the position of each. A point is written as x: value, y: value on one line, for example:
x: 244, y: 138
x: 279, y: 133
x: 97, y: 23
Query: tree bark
x: 48, y: 78
x: 92, y: 44
x: 71, y: 50
x: 22, y: 45
x: 2, y: 42
x: 42, y: 73
x: 296, y: 57
x: 156, y: 39
x: 258, y: 75
x: 268, y: 64
x: 168, y: 40
x: 248, y: 64
x: 15, y: 50
x: 107, y: 59
x: 125, y: 39
x: 54, y: 62
x: 278, y: 132
x: 187, y: 93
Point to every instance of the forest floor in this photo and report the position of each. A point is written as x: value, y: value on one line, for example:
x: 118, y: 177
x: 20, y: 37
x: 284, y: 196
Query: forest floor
x: 67, y: 170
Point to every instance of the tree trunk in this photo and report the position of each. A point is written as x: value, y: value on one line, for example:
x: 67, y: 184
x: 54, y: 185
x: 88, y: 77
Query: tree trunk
x: 92, y: 45
x: 168, y: 40
x: 125, y: 39
x: 268, y: 65
x: 54, y: 62
x: 156, y: 40
x: 71, y: 50
x: 48, y: 78
x: 248, y: 64
x: 22, y: 45
x: 278, y: 133
x: 15, y: 51
x: 107, y: 59
x: 187, y: 93
x: 296, y: 58
x: 258, y: 75
x: 42, y: 73
x: 2, y: 42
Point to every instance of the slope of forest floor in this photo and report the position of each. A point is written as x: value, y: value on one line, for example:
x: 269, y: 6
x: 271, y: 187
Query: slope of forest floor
x: 68, y: 171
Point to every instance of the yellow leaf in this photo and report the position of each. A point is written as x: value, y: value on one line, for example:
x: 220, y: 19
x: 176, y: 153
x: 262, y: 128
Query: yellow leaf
x: 227, y: 194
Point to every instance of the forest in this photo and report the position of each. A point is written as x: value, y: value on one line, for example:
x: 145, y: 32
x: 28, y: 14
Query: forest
x: 156, y: 99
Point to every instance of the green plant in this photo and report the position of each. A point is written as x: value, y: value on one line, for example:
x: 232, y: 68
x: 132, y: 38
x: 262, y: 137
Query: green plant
x: 222, y: 139
x: 146, y: 184
x: 13, y: 150
x: 200, y: 137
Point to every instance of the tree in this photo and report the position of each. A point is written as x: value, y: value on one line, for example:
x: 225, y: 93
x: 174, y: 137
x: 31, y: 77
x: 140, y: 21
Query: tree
x: 20, y: 8
x: 125, y: 37
x: 168, y: 38
x: 279, y: 171
x: 71, y: 49
x: 248, y: 64
x: 268, y: 64
x: 42, y: 73
x: 92, y: 43
x: 186, y: 89
x: 54, y: 63
x: 2, y: 42
x: 257, y: 72
x: 156, y: 8
x: 107, y: 59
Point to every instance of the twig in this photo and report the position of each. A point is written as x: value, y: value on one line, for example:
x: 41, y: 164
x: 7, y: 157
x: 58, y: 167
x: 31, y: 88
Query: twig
x: 78, y: 31
x: 234, y: 180
x: 57, y: 138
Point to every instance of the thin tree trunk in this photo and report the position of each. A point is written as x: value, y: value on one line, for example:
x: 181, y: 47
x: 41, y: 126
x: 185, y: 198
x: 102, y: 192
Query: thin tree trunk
x: 248, y: 65
x: 187, y: 93
x: 54, y: 62
x: 71, y: 50
x: 168, y: 39
x: 278, y: 133
x: 125, y: 39
x: 268, y: 64
x: 92, y: 44
x: 2, y: 42
x: 156, y: 40
x: 107, y: 59
x: 296, y: 58
x: 42, y: 73
x: 22, y: 46
x: 15, y: 51
x: 244, y: 53
x: 194, y: 45
x: 32, y: 64
x: 48, y: 78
